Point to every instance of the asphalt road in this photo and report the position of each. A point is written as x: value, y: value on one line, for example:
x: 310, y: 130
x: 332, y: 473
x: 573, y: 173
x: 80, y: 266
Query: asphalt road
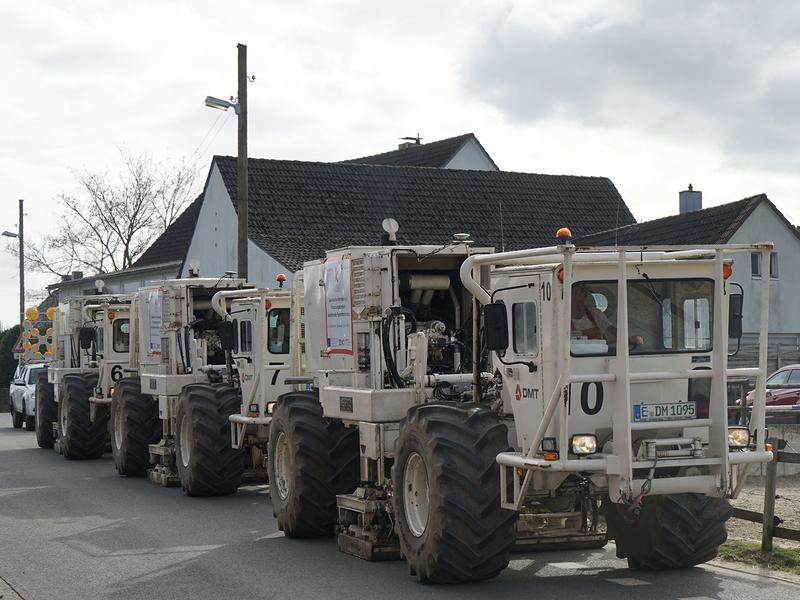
x: 77, y: 530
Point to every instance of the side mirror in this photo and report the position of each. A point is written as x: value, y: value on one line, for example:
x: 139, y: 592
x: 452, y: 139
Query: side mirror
x: 735, y: 303
x: 86, y: 337
x: 227, y: 335
x: 495, y: 327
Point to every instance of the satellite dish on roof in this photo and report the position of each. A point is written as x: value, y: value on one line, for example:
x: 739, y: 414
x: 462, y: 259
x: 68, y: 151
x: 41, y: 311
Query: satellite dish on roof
x: 391, y: 227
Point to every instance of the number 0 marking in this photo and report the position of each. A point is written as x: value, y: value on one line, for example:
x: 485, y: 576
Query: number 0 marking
x: 547, y: 291
x: 598, y: 403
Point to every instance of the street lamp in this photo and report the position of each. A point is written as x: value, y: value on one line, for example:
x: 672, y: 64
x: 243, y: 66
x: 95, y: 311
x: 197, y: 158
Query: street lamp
x: 21, y: 237
x: 240, y: 108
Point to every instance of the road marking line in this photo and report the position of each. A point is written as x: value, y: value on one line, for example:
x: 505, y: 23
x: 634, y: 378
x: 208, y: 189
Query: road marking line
x: 629, y: 581
x: 569, y: 566
x: 520, y: 564
x: 270, y: 536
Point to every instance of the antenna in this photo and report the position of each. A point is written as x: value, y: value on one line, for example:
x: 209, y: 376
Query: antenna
x: 417, y: 140
x: 391, y: 227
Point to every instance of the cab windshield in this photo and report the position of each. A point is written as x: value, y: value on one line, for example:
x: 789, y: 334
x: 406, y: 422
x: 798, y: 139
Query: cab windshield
x: 664, y: 316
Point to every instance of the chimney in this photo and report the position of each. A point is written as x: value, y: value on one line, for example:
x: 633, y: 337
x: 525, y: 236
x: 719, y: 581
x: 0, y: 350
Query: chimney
x: 66, y: 278
x: 690, y: 200
x: 77, y: 275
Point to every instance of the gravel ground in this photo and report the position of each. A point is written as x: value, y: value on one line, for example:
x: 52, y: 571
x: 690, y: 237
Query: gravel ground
x: 787, y: 507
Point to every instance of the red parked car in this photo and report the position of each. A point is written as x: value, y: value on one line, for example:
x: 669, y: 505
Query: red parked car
x: 783, y: 389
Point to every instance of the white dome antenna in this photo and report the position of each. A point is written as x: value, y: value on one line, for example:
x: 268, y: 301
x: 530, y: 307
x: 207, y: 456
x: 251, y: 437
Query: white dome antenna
x: 391, y: 227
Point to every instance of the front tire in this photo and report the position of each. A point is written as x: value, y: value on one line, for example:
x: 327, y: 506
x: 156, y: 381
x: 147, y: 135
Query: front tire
x: 207, y: 464
x: 447, y: 494
x: 134, y: 426
x: 17, y: 418
x: 46, y: 411
x: 30, y: 423
x: 311, y: 460
x: 673, y: 531
x: 81, y: 438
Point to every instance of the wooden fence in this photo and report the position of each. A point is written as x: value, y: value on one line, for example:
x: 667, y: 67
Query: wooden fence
x: 770, y: 522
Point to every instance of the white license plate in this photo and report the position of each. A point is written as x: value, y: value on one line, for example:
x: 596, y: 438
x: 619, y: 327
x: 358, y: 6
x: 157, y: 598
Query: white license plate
x: 664, y: 412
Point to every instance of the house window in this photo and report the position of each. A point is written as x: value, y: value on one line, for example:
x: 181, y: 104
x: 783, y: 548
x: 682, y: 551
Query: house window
x: 755, y: 264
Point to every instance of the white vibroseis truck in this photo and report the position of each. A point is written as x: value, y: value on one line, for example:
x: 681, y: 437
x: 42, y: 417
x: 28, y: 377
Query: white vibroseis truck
x: 92, y: 345
x: 606, y: 393
x: 211, y: 353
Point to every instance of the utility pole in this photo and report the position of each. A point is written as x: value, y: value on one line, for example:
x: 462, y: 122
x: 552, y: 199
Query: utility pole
x: 242, y: 183
x: 21, y: 262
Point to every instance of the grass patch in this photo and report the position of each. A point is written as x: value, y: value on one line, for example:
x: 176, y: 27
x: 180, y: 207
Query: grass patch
x: 780, y: 559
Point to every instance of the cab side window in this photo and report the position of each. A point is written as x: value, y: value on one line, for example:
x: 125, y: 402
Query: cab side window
x: 278, y: 331
x: 246, y: 336
x: 122, y: 335
x: 523, y: 323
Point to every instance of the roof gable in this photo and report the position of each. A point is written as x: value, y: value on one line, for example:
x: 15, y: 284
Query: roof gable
x: 713, y: 225
x: 436, y: 154
x: 173, y: 244
x: 298, y: 210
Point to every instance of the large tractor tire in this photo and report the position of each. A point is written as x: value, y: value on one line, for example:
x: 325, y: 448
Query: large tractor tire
x: 134, y: 426
x: 46, y: 412
x: 207, y: 464
x: 80, y: 437
x: 447, y: 494
x: 672, y: 532
x: 311, y: 460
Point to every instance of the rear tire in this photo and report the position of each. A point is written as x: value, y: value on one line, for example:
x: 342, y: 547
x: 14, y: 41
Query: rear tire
x: 310, y: 462
x: 17, y: 418
x: 46, y: 411
x: 672, y: 532
x: 447, y: 494
x: 80, y: 437
x: 134, y: 426
x: 207, y: 464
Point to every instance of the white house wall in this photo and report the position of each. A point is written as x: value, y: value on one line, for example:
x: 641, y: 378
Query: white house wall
x: 213, y: 243
x: 763, y: 225
x: 471, y: 157
x: 214, y: 240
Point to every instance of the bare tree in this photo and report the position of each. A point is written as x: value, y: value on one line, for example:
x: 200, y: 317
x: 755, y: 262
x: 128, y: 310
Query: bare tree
x: 111, y: 223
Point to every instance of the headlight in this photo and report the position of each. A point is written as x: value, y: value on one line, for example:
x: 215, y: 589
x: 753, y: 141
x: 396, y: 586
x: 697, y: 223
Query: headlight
x: 738, y: 437
x: 584, y: 443
x: 270, y: 407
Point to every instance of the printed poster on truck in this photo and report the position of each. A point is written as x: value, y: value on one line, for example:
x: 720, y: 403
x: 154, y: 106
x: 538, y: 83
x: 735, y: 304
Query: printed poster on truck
x: 338, y: 305
x: 155, y: 321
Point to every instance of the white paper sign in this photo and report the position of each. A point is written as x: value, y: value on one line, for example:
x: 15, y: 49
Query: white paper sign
x: 156, y: 320
x: 338, y: 305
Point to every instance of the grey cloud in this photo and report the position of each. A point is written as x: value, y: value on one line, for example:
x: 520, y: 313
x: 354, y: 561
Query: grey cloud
x: 677, y: 68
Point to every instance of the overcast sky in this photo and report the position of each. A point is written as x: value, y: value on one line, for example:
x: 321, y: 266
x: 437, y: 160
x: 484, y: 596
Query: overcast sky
x: 653, y: 95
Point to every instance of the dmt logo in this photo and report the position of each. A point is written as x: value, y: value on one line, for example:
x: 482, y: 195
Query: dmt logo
x: 522, y: 392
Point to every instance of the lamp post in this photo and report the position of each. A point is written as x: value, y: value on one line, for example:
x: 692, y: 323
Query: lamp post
x: 239, y: 106
x: 21, y: 237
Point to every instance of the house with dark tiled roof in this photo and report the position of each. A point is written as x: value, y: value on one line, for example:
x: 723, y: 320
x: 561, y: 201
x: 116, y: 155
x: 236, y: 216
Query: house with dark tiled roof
x: 747, y: 221
x: 300, y: 209
x: 460, y: 152
x: 163, y: 259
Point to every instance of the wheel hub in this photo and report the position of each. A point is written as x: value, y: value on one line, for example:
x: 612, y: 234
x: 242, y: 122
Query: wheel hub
x: 186, y: 440
x: 119, y: 425
x: 416, y: 494
x: 282, y: 466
